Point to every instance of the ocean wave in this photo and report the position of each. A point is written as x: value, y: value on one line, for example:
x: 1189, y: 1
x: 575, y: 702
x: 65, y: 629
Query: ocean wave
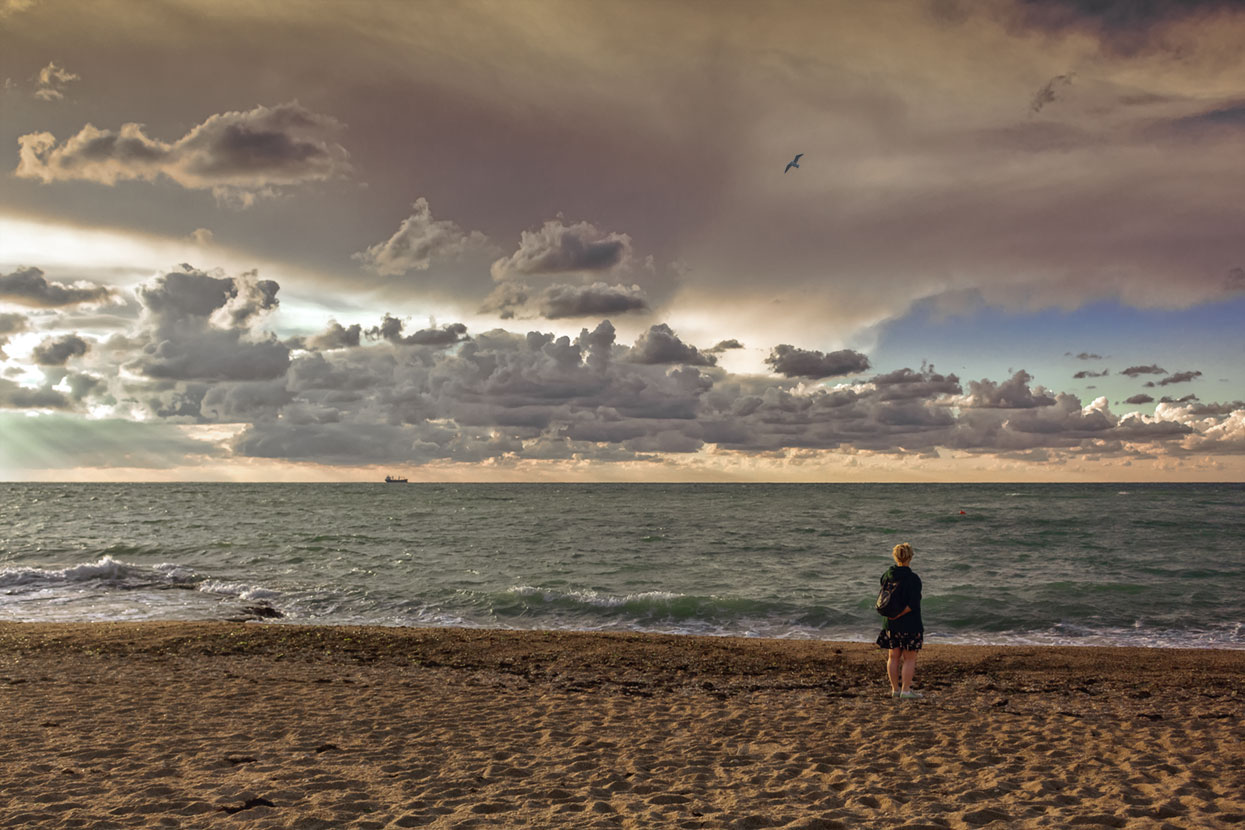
x: 642, y: 603
x: 239, y: 590
x: 1225, y: 636
x: 103, y: 571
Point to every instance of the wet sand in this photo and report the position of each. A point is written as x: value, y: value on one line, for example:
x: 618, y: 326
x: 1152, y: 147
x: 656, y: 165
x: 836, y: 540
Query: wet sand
x: 222, y: 725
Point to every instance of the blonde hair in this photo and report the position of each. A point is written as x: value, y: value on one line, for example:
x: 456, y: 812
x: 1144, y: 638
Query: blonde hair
x: 902, y: 553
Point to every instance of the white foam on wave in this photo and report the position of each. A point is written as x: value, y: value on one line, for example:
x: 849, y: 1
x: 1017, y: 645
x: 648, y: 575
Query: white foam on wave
x: 594, y: 598
x: 239, y: 590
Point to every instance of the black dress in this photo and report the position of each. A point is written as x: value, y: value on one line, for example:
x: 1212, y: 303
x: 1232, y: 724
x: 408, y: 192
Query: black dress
x: 908, y: 631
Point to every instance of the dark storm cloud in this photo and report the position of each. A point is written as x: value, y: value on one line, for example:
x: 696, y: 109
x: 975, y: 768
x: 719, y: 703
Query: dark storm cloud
x: 11, y: 324
x: 390, y: 329
x: 905, y: 384
x: 558, y: 248
x: 238, y: 155
x: 1085, y: 356
x: 184, y: 295
x: 791, y: 362
x: 1185, y: 399
x: 447, y: 335
x: 28, y: 286
x: 51, y: 82
x: 56, y: 351
x: 212, y: 354
x: 1152, y: 369
x: 13, y: 396
x: 1088, y: 374
x: 1014, y: 393
x: 1180, y: 377
x: 1047, y: 94
x: 197, y: 326
x: 660, y: 345
x: 506, y: 299
x: 245, y: 400
x: 559, y: 301
x: 725, y: 345
x: 177, y: 401
x: 419, y: 241
x: 336, y: 336
x: 1139, y: 398
x: 329, y: 443
x: 83, y: 385
x: 194, y: 297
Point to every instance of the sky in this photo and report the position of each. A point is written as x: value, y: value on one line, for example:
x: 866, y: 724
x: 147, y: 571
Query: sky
x: 537, y: 240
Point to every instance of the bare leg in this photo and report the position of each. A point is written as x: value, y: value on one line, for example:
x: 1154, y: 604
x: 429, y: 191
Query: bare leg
x: 909, y: 668
x: 892, y: 668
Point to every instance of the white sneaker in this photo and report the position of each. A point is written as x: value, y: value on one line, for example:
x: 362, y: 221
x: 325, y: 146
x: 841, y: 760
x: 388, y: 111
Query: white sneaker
x: 910, y: 695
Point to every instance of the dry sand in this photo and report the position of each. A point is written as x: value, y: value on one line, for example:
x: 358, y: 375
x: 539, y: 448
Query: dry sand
x: 224, y: 725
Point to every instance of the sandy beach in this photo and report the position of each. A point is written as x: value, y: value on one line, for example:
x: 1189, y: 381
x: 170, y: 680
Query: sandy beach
x: 151, y: 725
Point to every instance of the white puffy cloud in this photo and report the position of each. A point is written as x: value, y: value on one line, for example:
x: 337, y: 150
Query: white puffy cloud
x: 51, y: 81
x: 1013, y: 393
x: 418, y: 242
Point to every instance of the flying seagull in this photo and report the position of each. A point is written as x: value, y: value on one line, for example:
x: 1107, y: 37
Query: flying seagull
x: 795, y: 162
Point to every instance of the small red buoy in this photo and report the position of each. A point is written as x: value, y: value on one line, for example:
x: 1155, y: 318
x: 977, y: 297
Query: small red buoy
x: 962, y: 513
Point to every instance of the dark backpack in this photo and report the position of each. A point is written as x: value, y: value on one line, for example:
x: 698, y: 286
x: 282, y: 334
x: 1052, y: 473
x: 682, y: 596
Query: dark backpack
x: 890, y: 597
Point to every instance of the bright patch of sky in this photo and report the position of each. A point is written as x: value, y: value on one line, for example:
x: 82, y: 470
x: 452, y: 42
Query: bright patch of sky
x: 1207, y: 338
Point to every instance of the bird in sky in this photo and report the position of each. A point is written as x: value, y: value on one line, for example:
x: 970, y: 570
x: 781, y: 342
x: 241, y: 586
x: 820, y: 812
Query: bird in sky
x: 795, y: 162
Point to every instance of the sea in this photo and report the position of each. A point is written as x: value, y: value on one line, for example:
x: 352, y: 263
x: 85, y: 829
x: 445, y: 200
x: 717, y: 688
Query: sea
x: 1159, y: 565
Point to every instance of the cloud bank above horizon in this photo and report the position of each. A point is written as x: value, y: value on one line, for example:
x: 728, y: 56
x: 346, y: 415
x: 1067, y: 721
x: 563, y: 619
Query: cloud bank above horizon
x: 584, y: 200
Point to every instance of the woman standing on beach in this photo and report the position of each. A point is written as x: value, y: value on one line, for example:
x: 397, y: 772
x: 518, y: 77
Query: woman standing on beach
x: 904, y: 633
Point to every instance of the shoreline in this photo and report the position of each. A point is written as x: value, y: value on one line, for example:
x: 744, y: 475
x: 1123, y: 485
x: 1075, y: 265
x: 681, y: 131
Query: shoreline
x: 206, y: 724
x: 261, y: 612
x: 373, y: 642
